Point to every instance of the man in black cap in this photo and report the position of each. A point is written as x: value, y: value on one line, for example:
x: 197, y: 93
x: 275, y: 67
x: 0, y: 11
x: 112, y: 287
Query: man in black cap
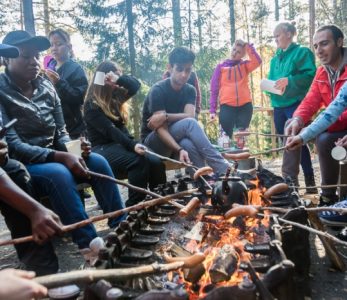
x: 39, y: 136
x: 23, y: 215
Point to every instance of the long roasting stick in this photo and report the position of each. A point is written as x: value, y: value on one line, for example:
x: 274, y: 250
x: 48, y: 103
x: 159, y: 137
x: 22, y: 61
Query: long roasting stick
x: 88, y: 276
x: 268, y: 151
x: 178, y: 162
x: 113, y: 214
x: 259, y: 133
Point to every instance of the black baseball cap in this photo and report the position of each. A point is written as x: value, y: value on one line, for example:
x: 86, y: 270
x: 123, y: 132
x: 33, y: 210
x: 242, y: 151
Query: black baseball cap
x: 22, y: 37
x: 8, y: 51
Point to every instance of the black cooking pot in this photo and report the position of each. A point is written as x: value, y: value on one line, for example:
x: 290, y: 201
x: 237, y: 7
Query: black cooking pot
x: 228, y: 191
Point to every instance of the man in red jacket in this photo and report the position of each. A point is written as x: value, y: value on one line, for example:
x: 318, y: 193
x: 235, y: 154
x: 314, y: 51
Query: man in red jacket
x: 329, y: 78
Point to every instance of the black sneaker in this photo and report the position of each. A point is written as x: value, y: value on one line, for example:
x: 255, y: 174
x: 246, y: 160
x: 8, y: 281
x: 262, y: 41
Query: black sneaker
x: 310, y: 183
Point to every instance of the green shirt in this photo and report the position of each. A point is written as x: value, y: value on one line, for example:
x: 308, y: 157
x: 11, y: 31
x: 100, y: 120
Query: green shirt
x: 298, y: 65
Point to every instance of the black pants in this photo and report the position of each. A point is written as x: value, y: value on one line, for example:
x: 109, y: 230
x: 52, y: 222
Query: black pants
x: 235, y: 116
x: 142, y: 171
x: 38, y: 258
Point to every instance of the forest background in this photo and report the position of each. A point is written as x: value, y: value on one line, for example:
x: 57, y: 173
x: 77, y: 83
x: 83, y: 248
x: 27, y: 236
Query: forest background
x: 139, y: 34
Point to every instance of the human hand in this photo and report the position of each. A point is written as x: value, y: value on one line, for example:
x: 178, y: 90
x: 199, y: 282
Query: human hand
x: 184, y: 157
x: 17, y: 285
x: 52, y: 76
x: 342, y: 142
x: 156, y: 120
x: 293, y: 127
x: 212, y: 116
x: 85, y: 147
x: 74, y: 163
x: 294, y: 142
x: 44, y: 224
x: 3, y: 153
x: 281, y: 84
x: 140, y: 149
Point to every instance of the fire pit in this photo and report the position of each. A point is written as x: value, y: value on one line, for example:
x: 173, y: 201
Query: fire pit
x: 235, y: 258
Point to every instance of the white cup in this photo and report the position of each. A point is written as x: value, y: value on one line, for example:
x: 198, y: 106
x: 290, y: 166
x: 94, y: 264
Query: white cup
x: 99, y: 78
x: 339, y: 153
x: 74, y: 147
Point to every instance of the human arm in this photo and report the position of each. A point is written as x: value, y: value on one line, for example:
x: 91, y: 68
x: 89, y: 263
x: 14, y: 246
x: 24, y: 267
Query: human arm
x: 18, y: 285
x: 214, y: 89
x: 72, y: 86
x: 96, y: 118
x: 44, y: 222
x: 301, y: 77
x: 254, y: 58
x: 327, y: 117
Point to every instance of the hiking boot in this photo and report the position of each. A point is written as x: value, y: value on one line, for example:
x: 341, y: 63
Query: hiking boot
x: 310, y: 183
x: 334, y: 218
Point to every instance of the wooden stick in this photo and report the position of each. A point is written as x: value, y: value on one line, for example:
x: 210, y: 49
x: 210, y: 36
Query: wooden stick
x: 130, y: 186
x: 259, y: 133
x: 113, y: 214
x: 321, y: 186
x: 88, y: 276
x: 268, y: 151
x: 179, y: 162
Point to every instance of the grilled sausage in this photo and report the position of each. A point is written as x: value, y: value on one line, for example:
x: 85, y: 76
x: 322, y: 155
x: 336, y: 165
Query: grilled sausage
x: 237, y: 156
x: 191, y: 205
x: 241, y: 210
x: 275, y: 189
x: 202, y: 171
x: 189, y: 261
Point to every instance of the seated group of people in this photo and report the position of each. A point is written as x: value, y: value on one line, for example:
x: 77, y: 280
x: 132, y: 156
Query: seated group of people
x: 41, y: 165
x: 39, y: 162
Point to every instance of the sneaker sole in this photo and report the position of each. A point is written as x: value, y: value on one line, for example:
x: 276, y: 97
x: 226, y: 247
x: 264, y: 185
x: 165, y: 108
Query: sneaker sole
x: 333, y: 223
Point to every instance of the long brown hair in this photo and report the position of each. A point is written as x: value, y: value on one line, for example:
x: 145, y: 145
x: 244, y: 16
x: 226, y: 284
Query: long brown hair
x: 108, y: 100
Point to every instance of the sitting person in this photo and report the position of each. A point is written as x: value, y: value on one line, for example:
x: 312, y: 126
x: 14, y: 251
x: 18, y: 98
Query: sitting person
x: 168, y: 124
x: 105, y: 113
x: 69, y: 79
x: 38, y: 138
x: 329, y: 78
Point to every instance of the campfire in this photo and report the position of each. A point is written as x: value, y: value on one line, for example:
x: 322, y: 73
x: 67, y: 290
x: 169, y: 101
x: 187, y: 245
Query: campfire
x: 225, y: 245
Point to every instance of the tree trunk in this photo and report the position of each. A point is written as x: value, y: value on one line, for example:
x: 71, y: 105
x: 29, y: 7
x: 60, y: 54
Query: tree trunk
x: 28, y: 14
x: 190, y: 24
x: 176, y: 18
x: 199, y: 24
x: 277, y: 10
x: 312, y: 9
x: 291, y: 13
x: 232, y: 21
x: 344, y: 15
x: 136, y: 117
x: 47, y: 24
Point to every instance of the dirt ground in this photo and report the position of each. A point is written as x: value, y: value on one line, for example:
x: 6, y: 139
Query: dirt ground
x: 326, y: 283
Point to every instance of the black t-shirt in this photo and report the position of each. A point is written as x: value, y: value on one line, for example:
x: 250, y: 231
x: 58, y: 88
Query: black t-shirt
x: 163, y: 97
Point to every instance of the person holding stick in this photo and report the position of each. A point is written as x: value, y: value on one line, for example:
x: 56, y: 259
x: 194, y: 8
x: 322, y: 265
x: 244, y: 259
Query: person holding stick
x: 329, y: 79
x: 105, y: 113
x: 293, y: 68
x: 39, y: 136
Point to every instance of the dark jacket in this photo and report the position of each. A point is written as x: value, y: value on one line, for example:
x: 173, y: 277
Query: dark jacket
x: 40, y: 127
x: 71, y: 89
x: 103, y: 130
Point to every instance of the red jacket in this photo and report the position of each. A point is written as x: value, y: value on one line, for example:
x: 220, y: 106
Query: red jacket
x: 320, y: 95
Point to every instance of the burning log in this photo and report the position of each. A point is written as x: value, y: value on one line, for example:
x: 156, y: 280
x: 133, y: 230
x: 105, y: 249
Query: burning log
x: 224, y: 264
x: 192, y: 204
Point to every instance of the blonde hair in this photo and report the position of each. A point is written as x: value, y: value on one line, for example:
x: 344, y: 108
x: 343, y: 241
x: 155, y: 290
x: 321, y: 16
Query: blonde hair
x: 111, y: 102
x: 288, y: 26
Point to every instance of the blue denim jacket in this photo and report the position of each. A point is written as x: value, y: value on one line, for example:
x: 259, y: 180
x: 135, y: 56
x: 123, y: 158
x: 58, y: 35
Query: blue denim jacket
x: 328, y: 117
x: 40, y: 128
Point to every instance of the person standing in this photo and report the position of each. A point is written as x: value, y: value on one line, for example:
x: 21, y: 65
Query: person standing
x: 230, y: 84
x: 293, y: 68
x: 69, y: 79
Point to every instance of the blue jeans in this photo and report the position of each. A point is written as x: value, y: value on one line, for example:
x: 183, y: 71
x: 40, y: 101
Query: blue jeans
x: 189, y: 135
x: 281, y: 115
x: 56, y: 181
